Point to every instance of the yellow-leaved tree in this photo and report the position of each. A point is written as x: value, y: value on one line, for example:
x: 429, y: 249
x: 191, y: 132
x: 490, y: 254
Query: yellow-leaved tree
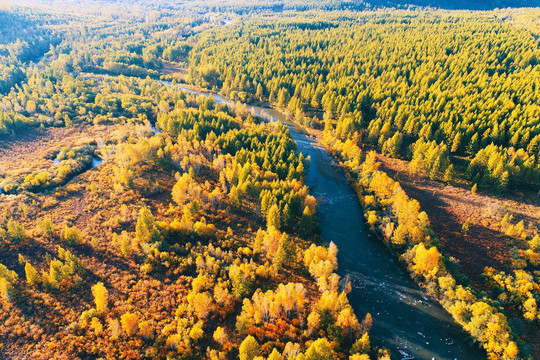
x: 426, y: 262
x: 101, y: 297
x: 130, y: 323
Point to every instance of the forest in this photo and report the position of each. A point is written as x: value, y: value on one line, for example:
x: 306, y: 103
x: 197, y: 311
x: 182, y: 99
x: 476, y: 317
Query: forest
x: 409, y: 97
x: 140, y: 219
x: 174, y: 212
x: 454, y: 94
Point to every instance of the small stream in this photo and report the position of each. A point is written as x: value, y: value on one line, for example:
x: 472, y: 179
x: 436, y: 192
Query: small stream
x: 96, y: 161
x: 405, y: 320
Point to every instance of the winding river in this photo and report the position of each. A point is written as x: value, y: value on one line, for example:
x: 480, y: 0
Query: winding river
x: 405, y: 321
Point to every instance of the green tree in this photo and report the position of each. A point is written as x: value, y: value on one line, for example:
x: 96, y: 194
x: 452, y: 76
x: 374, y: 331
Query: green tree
x: 504, y: 181
x: 456, y: 143
x: 249, y: 349
x: 286, y: 252
x: 394, y: 146
x: 274, y: 217
x: 449, y: 174
x: 71, y: 235
x: 15, y: 231
x: 320, y: 349
x: 465, y: 227
x: 283, y: 98
x: 32, y: 275
x: 46, y: 226
x: 259, y: 93
x: 146, y: 229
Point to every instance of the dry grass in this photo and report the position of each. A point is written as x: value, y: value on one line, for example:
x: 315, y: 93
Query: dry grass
x: 448, y: 207
x: 93, y: 209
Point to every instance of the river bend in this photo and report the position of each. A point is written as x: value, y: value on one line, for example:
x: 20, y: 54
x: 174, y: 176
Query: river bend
x: 405, y: 320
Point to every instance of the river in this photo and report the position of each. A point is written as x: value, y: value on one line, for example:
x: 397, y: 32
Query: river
x: 405, y: 320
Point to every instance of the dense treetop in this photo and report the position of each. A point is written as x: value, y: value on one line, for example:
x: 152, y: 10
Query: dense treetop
x: 196, y: 235
x: 463, y: 80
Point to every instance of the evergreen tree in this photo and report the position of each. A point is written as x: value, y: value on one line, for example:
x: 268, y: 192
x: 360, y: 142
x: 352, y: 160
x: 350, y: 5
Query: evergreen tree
x: 146, y: 230
x: 286, y: 252
x: 465, y: 227
x: 32, y: 275
x: 450, y: 174
x: 249, y: 349
x: 504, y: 181
x: 320, y: 349
x: 394, y: 147
x: 456, y: 143
x: 273, y: 219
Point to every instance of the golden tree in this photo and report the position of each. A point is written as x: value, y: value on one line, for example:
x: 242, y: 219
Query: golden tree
x: 101, y: 297
x: 130, y: 323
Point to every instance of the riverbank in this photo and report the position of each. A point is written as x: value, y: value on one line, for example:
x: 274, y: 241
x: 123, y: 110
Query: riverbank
x: 406, y: 254
x: 406, y: 231
x: 404, y: 318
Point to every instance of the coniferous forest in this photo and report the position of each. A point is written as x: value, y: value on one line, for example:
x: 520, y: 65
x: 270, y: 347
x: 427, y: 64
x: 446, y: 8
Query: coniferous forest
x: 291, y: 180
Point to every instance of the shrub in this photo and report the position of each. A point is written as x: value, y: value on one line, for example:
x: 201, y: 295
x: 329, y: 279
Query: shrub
x: 71, y: 235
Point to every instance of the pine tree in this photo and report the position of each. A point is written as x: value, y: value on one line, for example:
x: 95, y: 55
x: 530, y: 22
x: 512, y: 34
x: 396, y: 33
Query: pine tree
x: 474, y: 144
x: 125, y: 245
x: 258, y: 242
x: 449, y: 174
x: 6, y: 291
x: 283, y: 98
x: 274, y: 217
x: 15, y: 231
x: 456, y: 143
x: 71, y: 235
x: 46, y: 226
x: 249, y: 349
x: 307, y: 224
x: 286, y: 252
x: 32, y: 275
x: 259, y: 93
x: 320, y: 349
x: 465, y: 227
x: 362, y: 345
x: 504, y: 181
x: 146, y: 230
x: 534, y: 244
x: 533, y: 148
x: 394, y: 147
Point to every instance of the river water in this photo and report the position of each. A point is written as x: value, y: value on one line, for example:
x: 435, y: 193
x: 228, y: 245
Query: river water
x: 405, y: 321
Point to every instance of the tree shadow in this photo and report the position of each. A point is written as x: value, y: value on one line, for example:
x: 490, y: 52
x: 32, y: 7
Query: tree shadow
x: 481, y: 247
